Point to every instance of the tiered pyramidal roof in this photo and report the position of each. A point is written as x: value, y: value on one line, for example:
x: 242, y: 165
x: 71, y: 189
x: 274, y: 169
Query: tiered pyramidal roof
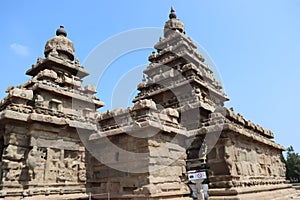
x: 178, y: 76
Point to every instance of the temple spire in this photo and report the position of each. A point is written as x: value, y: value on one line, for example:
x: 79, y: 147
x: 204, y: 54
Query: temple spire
x: 172, y: 14
x: 173, y: 24
x: 60, y: 45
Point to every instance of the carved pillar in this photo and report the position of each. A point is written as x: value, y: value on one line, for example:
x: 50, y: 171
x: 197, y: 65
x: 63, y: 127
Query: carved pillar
x: 48, y: 160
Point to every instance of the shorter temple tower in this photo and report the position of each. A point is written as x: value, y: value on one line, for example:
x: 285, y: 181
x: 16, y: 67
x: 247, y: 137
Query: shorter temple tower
x: 41, y: 152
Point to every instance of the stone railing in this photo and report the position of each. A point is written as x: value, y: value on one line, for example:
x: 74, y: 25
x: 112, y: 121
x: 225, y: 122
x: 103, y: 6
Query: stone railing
x: 142, y: 111
x: 238, y: 119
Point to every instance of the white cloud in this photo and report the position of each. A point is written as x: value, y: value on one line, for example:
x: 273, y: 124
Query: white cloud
x: 20, y: 49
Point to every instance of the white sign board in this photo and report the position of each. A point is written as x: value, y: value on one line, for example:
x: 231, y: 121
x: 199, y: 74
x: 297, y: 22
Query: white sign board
x: 197, y: 176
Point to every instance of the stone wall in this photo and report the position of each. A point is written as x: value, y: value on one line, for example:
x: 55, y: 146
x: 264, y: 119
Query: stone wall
x: 140, y: 152
x: 160, y: 172
x: 37, y: 161
x: 105, y: 179
x: 244, y: 160
x: 240, y: 162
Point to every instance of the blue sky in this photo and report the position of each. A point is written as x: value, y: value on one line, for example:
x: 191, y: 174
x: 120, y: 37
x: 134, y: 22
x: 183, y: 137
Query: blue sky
x: 254, y: 44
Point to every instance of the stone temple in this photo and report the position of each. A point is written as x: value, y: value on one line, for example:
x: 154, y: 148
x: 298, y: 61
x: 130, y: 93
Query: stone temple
x: 54, y: 144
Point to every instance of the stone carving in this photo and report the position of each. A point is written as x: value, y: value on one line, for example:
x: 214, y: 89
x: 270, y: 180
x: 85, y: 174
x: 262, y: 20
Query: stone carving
x: 55, y: 165
x: 47, y: 74
x: 65, y: 172
x: 172, y: 114
x: 35, y: 160
x: 39, y: 101
x: 54, y: 162
x: 9, y: 88
x: 20, y: 95
x: 76, y: 61
x: 11, y: 169
x: 11, y: 139
x: 82, y: 175
x: 13, y: 152
x: 198, y: 94
x: 203, y: 151
x: 90, y: 89
x: 144, y: 104
x: 70, y: 169
x: 39, y: 60
x: 53, y: 52
x: 60, y: 43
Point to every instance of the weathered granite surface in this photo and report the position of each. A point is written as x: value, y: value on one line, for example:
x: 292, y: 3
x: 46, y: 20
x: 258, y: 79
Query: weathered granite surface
x: 178, y: 122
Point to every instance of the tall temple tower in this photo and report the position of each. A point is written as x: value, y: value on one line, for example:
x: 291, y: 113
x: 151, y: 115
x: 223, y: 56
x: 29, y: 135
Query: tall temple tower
x: 179, y: 78
x: 41, y: 152
x: 178, y: 123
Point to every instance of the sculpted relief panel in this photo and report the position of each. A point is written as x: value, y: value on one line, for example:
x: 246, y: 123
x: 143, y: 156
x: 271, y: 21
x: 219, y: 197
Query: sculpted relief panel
x: 45, y: 160
x: 36, y: 162
x: 13, y: 154
x: 256, y: 160
x: 248, y: 162
x: 62, y: 161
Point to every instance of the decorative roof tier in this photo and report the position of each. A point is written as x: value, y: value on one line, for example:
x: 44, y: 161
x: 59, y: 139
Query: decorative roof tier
x: 59, y: 56
x: 177, y: 67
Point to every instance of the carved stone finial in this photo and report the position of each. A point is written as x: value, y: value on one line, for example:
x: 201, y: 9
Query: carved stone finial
x: 172, y: 14
x: 61, y: 31
x: 60, y: 45
x: 173, y: 24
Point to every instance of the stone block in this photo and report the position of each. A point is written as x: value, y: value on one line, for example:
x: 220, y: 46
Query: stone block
x: 170, y: 186
x: 21, y: 94
x: 8, y: 114
x: 90, y: 89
